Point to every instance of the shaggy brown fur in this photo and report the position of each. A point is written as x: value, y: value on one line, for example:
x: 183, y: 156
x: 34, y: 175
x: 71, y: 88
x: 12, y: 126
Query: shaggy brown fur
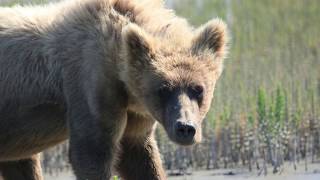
x: 102, y: 73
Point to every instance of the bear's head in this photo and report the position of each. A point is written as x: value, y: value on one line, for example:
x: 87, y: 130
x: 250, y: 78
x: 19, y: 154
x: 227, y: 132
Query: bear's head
x: 175, y: 84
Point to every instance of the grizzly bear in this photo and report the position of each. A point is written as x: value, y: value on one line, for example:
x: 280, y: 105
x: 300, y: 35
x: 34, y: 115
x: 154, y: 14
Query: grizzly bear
x: 102, y: 73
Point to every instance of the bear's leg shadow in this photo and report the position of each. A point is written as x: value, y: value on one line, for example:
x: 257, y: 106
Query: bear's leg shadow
x: 140, y: 158
x: 26, y: 169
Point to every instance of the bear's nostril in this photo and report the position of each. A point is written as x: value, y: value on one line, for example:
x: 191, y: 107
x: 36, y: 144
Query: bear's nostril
x: 191, y: 131
x: 181, y: 131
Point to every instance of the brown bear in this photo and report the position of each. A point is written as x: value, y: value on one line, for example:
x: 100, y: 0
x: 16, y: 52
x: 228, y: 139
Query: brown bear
x: 102, y: 73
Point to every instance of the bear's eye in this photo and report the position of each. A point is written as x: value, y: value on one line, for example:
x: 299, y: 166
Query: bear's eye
x: 196, y: 92
x: 164, y: 92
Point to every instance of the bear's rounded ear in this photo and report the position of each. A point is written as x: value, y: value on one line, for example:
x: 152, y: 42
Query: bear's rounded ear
x: 212, y: 36
x: 137, y: 43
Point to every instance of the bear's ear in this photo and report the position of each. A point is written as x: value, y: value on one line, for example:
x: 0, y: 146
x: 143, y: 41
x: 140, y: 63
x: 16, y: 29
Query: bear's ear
x: 213, y: 37
x: 138, y: 44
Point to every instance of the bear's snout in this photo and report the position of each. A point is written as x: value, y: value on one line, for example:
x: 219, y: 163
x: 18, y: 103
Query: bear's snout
x: 185, y: 133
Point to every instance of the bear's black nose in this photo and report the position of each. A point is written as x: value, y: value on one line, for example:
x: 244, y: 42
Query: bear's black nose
x: 185, y: 132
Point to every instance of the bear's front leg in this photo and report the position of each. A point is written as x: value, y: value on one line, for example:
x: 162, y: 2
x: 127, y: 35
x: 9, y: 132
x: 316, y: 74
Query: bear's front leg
x: 93, y: 147
x: 96, y: 123
x: 140, y: 158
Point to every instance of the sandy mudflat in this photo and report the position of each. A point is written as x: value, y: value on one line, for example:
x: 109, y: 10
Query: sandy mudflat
x: 312, y: 174
x: 208, y: 176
